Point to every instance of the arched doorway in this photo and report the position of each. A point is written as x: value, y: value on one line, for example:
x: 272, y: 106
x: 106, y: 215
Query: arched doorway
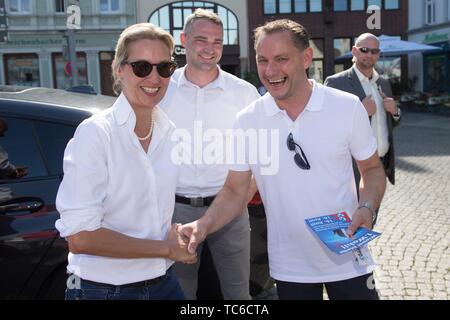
x: 171, y: 18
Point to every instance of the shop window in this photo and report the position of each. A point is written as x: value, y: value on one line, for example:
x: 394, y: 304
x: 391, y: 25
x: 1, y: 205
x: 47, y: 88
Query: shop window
x: 435, y: 73
x: 22, y: 70
x: 62, y: 73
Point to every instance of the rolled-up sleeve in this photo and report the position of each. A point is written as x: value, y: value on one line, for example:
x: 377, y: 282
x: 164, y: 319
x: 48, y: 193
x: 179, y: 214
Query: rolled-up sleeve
x: 83, y: 189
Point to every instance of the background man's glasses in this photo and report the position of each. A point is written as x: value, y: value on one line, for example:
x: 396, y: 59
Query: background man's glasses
x: 300, y: 159
x: 143, y: 68
x: 366, y: 50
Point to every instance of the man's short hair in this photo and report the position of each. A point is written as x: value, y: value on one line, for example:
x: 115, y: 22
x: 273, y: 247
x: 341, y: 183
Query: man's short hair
x: 299, y: 34
x: 365, y: 36
x: 201, y: 14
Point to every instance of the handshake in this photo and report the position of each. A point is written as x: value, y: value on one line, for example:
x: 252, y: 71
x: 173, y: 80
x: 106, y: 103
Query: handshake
x: 183, y: 241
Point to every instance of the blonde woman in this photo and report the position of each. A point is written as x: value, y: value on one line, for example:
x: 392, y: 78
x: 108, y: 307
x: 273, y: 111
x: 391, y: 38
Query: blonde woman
x: 117, y: 197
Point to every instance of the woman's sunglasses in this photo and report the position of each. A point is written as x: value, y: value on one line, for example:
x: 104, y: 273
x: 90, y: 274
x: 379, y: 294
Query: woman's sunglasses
x: 143, y: 68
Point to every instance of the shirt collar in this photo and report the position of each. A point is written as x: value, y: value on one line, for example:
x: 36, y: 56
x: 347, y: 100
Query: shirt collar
x: 218, y: 83
x: 123, y: 113
x: 122, y: 110
x: 362, y: 77
x: 314, y: 104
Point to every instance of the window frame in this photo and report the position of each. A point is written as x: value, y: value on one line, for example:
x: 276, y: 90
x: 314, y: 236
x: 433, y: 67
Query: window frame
x: 109, y: 11
x: 55, y: 6
x: 357, y: 10
x: 428, y: 4
x: 20, y: 12
x: 293, y: 11
x: 347, y: 6
x: 366, y: 5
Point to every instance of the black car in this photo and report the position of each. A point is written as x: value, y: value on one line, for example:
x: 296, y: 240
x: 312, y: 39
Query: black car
x: 33, y: 258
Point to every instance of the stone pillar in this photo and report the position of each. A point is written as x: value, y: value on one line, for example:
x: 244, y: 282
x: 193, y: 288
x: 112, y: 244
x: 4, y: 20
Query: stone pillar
x: 45, y: 69
x: 93, y: 69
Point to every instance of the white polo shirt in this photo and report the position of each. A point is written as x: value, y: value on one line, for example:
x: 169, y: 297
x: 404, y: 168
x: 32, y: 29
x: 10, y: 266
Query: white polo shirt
x: 198, y: 110
x: 111, y: 182
x: 333, y: 127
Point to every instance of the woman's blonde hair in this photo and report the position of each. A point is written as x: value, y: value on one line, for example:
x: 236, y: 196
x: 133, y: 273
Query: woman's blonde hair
x: 135, y: 32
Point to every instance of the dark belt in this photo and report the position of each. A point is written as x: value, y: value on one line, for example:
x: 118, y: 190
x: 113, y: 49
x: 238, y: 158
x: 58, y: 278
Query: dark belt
x: 195, y: 202
x: 140, y: 284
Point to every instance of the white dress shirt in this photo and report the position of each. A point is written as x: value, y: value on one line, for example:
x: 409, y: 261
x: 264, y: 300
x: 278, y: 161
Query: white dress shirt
x: 196, y: 110
x: 111, y: 182
x: 378, y: 122
x: 333, y: 127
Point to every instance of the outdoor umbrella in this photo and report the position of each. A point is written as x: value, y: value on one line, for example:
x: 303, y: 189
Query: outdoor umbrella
x: 392, y: 46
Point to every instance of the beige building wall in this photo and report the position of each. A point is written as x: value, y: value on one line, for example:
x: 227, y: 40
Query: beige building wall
x: 144, y: 8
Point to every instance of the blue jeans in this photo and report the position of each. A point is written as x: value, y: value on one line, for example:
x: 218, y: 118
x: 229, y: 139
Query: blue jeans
x: 166, y: 289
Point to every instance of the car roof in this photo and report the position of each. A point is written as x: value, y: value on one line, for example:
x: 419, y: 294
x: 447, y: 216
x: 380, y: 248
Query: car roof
x: 87, y: 102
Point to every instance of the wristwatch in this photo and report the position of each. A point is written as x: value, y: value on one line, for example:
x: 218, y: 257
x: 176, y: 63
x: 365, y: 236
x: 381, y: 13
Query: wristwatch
x: 369, y: 206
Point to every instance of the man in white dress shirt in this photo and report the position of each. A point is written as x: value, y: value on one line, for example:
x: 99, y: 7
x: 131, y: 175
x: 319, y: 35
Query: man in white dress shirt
x: 203, y: 98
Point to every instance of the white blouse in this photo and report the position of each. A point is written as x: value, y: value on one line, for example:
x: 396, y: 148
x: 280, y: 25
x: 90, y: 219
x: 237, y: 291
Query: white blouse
x: 111, y: 182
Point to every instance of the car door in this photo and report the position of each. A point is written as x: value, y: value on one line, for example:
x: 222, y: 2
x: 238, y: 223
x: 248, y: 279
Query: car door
x: 27, y: 204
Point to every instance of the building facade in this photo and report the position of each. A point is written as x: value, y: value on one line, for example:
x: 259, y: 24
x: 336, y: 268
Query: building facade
x: 170, y: 15
x: 429, y: 23
x: 332, y: 25
x: 35, y: 53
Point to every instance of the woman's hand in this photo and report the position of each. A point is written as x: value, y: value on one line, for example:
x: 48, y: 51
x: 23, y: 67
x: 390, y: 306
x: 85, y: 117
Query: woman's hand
x: 178, y: 247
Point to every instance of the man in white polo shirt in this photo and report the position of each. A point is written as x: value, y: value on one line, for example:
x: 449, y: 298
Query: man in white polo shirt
x: 202, y: 98
x: 318, y: 129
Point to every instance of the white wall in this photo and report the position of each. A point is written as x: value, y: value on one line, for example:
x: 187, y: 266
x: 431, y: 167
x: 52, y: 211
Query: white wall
x: 145, y: 8
x: 416, y: 14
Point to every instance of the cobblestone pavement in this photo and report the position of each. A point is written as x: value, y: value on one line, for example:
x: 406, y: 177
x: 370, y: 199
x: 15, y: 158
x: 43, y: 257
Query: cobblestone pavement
x: 413, y: 252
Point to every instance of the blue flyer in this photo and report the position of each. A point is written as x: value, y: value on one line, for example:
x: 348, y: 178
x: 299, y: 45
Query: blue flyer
x: 332, y: 230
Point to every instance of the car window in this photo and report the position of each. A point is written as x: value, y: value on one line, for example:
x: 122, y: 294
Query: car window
x: 19, y: 149
x: 53, y: 139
